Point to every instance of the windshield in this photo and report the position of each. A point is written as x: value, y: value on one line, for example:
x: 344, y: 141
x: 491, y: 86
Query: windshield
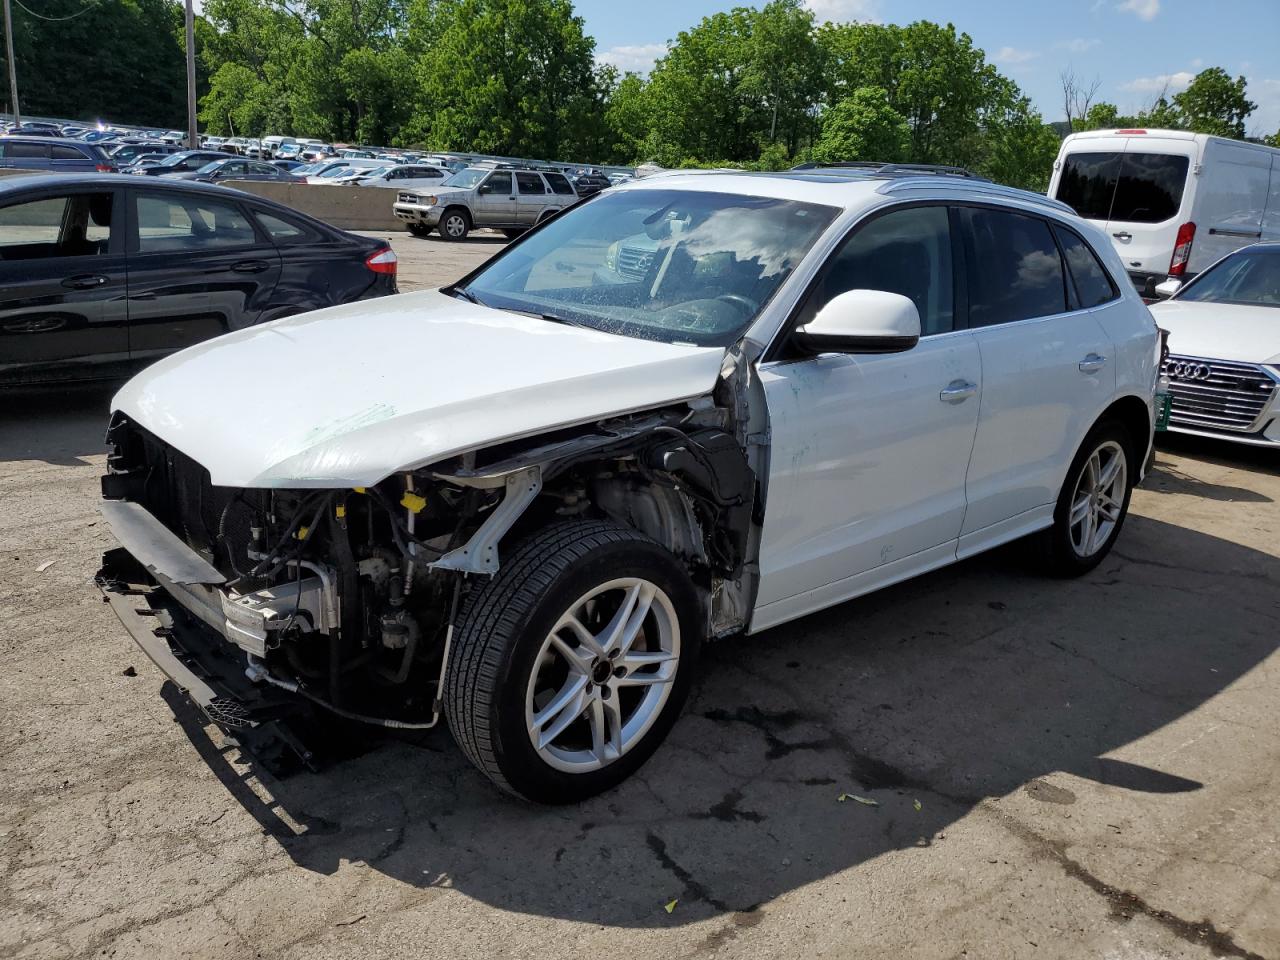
x: 211, y: 166
x: 673, y: 265
x: 336, y: 171
x: 1127, y: 187
x: 174, y: 159
x: 465, y: 178
x: 1249, y: 277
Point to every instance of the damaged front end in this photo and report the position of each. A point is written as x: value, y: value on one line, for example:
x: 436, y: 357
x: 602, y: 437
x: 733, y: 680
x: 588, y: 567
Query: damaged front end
x: 258, y: 602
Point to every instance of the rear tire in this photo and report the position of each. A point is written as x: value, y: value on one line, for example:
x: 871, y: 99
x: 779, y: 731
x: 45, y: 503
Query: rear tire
x: 455, y: 224
x: 544, y: 693
x: 1093, y: 503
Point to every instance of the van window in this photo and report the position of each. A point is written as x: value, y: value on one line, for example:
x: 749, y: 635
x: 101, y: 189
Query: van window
x: 1129, y: 187
x: 1088, y: 183
x: 1150, y: 187
x: 1015, y: 270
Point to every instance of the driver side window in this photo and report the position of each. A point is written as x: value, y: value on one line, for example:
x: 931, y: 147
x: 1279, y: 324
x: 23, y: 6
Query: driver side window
x: 904, y: 251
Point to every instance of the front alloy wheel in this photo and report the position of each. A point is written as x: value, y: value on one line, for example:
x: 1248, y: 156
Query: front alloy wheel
x: 570, y: 665
x: 597, y: 689
x: 454, y: 225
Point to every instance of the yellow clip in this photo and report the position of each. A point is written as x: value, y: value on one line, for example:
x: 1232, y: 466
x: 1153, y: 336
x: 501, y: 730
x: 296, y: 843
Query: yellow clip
x: 358, y: 489
x: 302, y: 533
x: 340, y: 511
x: 412, y: 502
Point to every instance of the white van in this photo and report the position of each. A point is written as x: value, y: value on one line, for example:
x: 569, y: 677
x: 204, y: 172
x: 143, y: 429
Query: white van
x: 1172, y: 202
x: 271, y: 145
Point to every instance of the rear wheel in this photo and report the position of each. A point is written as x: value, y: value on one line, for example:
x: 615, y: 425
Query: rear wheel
x: 570, y: 666
x: 455, y: 224
x: 1093, y: 503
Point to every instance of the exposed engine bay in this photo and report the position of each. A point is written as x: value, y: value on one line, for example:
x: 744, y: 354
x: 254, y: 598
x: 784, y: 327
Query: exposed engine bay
x: 348, y: 597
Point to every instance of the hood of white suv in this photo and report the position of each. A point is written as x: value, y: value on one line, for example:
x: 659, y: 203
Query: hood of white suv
x: 346, y: 396
x: 1221, y: 331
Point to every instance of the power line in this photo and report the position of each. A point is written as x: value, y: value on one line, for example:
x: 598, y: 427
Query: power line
x: 41, y: 16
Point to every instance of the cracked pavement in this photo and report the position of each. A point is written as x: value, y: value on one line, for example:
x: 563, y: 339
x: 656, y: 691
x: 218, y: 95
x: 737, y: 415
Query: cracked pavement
x: 1061, y: 768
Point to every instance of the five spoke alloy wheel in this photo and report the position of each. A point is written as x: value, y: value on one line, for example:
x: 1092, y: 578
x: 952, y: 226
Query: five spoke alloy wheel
x: 570, y: 665
x: 603, y: 675
x: 1098, y: 502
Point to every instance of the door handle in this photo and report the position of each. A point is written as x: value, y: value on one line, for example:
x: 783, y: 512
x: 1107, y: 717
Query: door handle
x: 1124, y: 235
x: 957, y: 391
x: 84, y: 282
x: 249, y: 266
x: 1092, y: 363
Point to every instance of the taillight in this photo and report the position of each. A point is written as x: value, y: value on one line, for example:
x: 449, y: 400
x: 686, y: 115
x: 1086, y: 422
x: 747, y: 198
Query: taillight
x: 105, y: 168
x: 383, y: 260
x: 1182, y: 249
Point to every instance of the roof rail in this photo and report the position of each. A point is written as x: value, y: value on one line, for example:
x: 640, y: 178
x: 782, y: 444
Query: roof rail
x: 910, y: 184
x: 879, y: 168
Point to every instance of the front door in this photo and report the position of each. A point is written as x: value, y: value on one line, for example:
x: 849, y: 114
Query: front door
x: 868, y: 453
x: 62, y: 286
x: 495, y: 202
x: 197, y: 269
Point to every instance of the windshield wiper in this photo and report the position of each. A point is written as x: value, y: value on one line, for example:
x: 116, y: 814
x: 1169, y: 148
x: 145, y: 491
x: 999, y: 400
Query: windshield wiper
x: 463, y: 293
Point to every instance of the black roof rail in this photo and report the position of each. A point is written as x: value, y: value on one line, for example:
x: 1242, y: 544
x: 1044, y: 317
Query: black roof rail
x: 877, y: 168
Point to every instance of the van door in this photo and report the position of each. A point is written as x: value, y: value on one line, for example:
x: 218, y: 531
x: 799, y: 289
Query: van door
x: 1148, y: 208
x: 1231, y: 198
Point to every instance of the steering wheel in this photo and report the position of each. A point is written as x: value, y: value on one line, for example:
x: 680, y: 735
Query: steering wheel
x: 738, y: 300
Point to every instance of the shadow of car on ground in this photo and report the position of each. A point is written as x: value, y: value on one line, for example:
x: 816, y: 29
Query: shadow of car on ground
x: 966, y: 684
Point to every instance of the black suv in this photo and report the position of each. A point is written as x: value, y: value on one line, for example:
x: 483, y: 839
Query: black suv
x: 100, y: 274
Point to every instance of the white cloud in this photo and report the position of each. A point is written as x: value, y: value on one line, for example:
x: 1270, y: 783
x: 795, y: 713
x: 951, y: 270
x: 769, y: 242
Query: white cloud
x: 1142, y: 9
x: 1172, y: 82
x: 1198, y: 62
x: 840, y: 11
x: 635, y: 59
x: 1013, y: 55
x: 1265, y: 120
x: 1078, y: 44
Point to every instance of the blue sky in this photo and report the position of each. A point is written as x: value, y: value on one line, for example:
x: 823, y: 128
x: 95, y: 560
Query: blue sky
x: 1133, y: 46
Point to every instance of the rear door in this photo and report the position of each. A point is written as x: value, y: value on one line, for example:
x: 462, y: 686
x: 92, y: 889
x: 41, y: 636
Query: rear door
x: 1150, y: 200
x: 1047, y: 370
x: 531, y: 197
x: 495, y: 200
x: 197, y: 268
x: 62, y: 286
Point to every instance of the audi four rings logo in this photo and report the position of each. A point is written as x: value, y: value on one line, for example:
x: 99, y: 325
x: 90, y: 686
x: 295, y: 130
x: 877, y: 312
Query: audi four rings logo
x: 1188, y: 371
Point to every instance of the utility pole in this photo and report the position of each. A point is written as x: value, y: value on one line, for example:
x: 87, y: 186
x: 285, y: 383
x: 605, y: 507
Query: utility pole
x: 13, y: 67
x: 193, y: 137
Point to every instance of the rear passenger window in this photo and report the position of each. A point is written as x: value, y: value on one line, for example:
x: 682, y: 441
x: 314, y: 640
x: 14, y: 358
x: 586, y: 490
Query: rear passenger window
x: 559, y: 184
x: 58, y: 152
x: 1015, y: 270
x: 906, y: 252
x: 26, y: 151
x: 285, y: 232
x: 1093, y: 283
x: 530, y: 183
x: 188, y: 224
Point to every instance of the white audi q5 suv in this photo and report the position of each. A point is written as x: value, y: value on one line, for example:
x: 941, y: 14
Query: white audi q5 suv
x: 522, y: 502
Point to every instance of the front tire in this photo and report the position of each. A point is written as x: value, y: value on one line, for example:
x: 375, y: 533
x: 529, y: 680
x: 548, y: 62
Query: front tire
x: 1093, y: 503
x: 455, y: 224
x: 570, y: 666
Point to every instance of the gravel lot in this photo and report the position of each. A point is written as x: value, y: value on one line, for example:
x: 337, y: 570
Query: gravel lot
x: 1062, y: 769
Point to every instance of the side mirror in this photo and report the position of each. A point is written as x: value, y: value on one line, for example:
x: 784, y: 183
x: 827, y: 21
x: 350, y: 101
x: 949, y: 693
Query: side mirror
x: 1168, y: 288
x: 862, y: 321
